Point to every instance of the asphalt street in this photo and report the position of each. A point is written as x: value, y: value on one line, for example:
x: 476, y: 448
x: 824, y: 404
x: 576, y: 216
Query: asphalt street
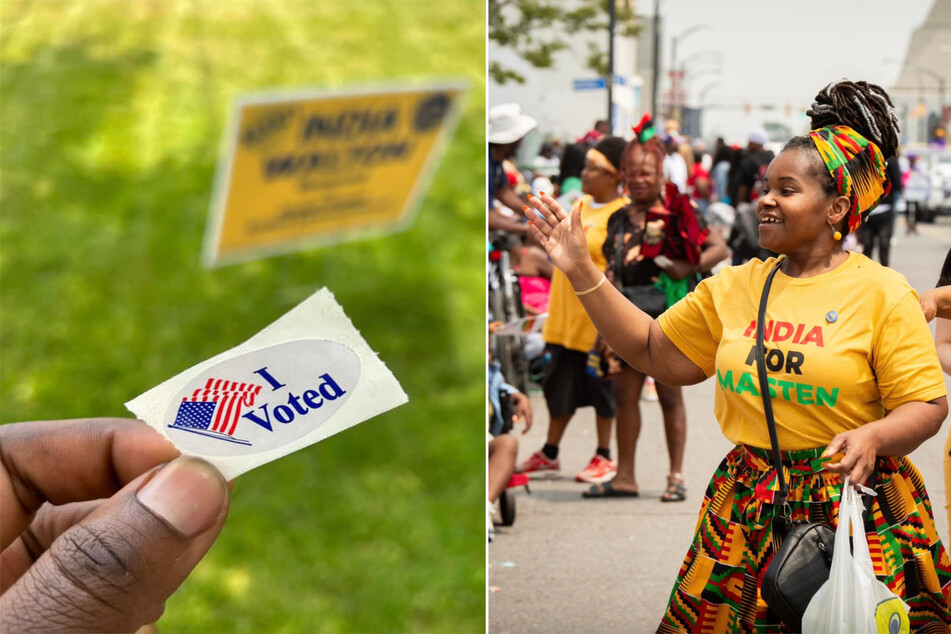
x: 570, y: 564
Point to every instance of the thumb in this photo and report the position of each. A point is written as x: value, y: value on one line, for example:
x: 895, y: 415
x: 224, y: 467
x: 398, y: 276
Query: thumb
x: 114, y: 570
x: 834, y: 447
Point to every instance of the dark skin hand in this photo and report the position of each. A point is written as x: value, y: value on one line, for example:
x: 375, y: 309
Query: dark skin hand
x: 101, y: 522
x: 500, y: 222
x: 942, y: 340
x: 796, y: 219
x: 936, y: 302
x: 523, y: 410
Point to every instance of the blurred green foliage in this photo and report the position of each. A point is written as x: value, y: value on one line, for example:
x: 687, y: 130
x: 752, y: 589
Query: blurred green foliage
x: 112, y: 115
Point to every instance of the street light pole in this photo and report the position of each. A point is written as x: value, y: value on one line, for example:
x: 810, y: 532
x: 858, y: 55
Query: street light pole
x: 708, y: 55
x: 716, y: 70
x: 677, y: 111
x: 655, y: 79
x: 610, y: 82
x: 702, y: 105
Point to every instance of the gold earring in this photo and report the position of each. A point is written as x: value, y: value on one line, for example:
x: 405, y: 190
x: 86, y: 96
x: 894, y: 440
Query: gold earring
x: 836, y: 234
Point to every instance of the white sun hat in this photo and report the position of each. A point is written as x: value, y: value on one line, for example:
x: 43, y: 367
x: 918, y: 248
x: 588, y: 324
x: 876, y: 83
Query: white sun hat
x: 507, y: 123
x: 759, y: 135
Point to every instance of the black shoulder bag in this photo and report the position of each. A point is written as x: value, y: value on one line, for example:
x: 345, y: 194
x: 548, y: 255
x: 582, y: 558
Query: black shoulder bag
x: 649, y: 299
x: 801, y: 564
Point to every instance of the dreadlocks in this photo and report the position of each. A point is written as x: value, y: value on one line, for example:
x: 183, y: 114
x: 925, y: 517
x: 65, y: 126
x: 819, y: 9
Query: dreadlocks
x: 864, y: 107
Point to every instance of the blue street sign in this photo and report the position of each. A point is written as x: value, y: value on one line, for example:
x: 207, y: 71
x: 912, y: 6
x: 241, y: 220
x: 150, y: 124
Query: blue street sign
x: 594, y: 83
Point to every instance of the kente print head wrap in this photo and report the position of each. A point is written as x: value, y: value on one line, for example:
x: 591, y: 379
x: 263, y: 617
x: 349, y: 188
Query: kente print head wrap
x: 857, y: 167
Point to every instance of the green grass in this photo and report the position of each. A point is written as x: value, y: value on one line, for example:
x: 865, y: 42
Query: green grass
x: 111, y: 119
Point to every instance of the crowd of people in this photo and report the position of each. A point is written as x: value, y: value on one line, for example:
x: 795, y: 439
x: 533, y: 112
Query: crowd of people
x: 653, y: 240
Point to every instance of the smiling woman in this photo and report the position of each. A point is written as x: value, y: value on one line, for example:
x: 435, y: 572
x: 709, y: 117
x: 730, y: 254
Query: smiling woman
x: 786, y: 211
x: 852, y: 374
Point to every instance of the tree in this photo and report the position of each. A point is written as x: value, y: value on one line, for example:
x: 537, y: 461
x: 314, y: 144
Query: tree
x: 514, y: 24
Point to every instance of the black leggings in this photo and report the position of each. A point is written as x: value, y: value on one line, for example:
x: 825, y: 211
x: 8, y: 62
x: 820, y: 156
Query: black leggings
x: 878, y: 228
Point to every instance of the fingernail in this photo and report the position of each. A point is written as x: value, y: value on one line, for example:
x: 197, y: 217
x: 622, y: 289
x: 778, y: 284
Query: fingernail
x: 524, y: 208
x: 541, y: 193
x: 530, y: 196
x: 187, y: 493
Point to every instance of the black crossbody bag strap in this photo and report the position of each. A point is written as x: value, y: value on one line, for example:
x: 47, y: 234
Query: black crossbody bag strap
x: 764, y: 391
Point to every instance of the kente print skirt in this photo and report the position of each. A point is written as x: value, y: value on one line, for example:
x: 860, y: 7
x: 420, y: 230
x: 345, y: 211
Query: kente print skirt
x: 718, y: 586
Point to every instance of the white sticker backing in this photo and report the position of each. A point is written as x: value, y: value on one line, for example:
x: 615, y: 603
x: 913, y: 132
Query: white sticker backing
x: 305, y: 377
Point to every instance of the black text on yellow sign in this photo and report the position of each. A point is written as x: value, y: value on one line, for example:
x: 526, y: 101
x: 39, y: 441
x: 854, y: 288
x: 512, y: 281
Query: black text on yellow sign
x: 311, y: 169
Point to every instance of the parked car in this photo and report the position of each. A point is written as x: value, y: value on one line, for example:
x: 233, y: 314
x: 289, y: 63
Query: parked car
x: 930, y: 183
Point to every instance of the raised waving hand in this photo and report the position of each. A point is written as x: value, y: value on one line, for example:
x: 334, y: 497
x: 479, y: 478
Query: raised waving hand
x: 559, y: 232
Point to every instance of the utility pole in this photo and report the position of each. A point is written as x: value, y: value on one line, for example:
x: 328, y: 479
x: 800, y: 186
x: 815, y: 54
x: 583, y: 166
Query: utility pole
x: 655, y: 75
x: 611, y: 20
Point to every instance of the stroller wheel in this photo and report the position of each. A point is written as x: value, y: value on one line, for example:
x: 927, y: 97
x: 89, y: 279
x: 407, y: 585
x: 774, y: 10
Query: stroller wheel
x: 507, y: 508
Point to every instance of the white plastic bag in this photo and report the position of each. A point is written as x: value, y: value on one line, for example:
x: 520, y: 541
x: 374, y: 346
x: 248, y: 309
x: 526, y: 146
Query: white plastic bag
x: 853, y: 601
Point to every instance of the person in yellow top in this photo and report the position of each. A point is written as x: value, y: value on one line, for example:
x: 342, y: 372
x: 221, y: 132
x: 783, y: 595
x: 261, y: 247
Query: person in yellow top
x: 851, y: 368
x: 568, y: 332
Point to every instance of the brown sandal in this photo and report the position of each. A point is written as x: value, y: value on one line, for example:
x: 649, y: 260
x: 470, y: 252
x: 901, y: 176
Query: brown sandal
x: 675, y: 492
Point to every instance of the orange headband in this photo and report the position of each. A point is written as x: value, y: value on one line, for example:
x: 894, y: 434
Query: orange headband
x: 600, y: 160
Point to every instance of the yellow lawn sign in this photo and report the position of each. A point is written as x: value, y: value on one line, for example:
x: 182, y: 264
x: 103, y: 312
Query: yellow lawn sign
x: 302, y: 169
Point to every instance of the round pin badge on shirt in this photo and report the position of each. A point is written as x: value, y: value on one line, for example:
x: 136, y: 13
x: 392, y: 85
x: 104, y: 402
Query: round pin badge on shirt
x: 832, y: 316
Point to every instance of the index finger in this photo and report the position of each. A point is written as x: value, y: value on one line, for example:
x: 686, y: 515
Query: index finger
x: 548, y: 208
x: 71, y: 461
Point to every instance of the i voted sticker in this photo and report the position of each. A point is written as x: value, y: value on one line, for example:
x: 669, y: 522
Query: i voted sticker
x: 264, y: 399
x: 305, y: 377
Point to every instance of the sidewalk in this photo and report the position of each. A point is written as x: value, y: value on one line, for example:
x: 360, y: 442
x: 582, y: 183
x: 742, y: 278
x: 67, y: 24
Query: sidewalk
x: 575, y: 565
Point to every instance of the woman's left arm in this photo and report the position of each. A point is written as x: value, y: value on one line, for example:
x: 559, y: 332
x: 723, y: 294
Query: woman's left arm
x: 911, y: 385
x: 898, y: 434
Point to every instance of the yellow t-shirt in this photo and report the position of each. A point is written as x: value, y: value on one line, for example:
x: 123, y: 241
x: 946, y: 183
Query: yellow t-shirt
x: 568, y: 324
x: 828, y: 372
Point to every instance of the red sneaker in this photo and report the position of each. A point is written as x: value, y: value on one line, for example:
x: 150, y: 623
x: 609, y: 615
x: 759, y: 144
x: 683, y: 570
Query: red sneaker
x: 600, y: 469
x: 517, y: 480
x: 538, y: 462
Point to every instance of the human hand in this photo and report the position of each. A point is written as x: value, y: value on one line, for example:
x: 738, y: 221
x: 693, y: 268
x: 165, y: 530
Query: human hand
x: 560, y: 234
x: 929, y: 303
x: 858, y: 448
x: 96, y: 532
x: 523, y: 410
x: 678, y: 269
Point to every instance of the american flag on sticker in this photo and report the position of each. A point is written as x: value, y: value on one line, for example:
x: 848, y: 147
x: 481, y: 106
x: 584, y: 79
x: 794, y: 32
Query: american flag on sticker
x: 215, y: 409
